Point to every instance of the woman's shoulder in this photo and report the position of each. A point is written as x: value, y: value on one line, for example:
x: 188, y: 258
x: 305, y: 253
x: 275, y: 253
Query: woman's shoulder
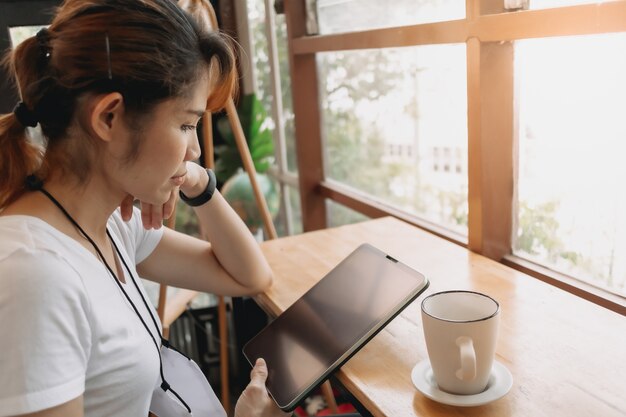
x: 25, y: 232
x: 31, y: 249
x: 30, y: 271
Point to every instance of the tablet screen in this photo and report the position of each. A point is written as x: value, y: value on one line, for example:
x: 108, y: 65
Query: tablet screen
x: 330, y: 322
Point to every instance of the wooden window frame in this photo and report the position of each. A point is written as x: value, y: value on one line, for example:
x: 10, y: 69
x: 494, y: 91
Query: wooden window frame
x: 488, y: 32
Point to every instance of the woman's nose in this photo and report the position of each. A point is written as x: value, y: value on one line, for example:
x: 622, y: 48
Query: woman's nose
x: 193, y: 150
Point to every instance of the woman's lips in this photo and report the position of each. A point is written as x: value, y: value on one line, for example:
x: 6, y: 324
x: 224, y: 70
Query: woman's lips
x: 179, y: 179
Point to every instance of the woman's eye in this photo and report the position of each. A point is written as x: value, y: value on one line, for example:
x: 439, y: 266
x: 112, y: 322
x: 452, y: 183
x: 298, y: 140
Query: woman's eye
x: 187, y: 128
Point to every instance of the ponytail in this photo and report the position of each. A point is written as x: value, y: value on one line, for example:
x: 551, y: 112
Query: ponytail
x: 19, y: 157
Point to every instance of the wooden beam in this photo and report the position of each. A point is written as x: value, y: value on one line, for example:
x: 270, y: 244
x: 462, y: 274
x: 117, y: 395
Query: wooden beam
x: 306, y: 107
x: 579, y: 288
x: 474, y: 151
x: 588, y: 19
x: 491, y: 133
x: 585, y: 19
x: 368, y: 206
x: 454, y: 31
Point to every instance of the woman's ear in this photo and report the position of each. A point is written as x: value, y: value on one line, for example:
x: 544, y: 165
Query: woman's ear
x: 105, y: 117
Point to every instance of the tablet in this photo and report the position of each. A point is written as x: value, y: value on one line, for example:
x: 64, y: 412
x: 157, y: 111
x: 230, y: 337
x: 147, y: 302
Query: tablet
x: 332, y: 321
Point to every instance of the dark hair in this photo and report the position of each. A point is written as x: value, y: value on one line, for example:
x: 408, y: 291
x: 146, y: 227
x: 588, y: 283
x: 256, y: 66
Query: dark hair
x: 147, y: 50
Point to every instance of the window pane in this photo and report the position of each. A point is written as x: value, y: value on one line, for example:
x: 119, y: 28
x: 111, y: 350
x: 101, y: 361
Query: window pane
x: 19, y: 34
x: 256, y: 18
x: 285, y: 82
x: 339, y: 214
x: 572, y: 99
x: 292, y: 214
x: 336, y: 16
x: 395, y: 127
x: 258, y: 30
x: 547, y: 4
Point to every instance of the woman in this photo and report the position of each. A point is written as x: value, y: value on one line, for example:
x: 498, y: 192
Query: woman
x: 117, y: 87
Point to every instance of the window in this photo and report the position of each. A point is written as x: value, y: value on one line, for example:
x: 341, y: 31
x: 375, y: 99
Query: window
x: 19, y: 34
x: 496, y: 129
x: 377, y: 104
x: 262, y: 58
x: 271, y: 76
x: 336, y: 16
x: 571, y: 204
x: 339, y: 215
x: 546, y: 4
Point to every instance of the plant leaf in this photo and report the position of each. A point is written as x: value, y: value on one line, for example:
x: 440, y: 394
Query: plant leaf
x: 253, y: 118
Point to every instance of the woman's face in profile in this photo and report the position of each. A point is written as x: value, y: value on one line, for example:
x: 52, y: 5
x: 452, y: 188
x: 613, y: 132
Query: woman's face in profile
x: 168, y: 140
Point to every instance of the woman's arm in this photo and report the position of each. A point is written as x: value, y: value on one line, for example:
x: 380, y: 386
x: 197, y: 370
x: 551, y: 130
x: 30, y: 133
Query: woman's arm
x: 231, y: 264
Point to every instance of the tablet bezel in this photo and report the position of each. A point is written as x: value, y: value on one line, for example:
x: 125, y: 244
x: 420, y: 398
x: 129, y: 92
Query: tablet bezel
x: 360, y: 342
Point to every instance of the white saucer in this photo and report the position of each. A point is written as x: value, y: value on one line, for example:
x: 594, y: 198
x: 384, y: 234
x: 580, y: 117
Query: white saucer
x: 499, y: 384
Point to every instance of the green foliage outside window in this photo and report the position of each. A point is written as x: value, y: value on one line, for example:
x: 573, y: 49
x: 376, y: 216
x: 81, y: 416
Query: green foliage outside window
x: 256, y: 129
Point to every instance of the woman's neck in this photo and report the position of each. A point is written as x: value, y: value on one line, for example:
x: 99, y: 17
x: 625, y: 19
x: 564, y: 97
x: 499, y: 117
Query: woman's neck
x: 89, y: 204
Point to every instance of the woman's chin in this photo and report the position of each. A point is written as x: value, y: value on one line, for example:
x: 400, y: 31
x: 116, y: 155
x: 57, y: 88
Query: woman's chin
x: 158, y: 196
x: 157, y: 201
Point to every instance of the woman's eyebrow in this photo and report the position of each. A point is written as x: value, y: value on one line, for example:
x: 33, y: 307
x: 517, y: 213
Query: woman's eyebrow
x: 198, y: 113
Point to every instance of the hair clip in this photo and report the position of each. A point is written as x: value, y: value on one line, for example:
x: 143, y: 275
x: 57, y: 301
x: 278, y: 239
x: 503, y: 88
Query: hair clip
x: 108, y: 46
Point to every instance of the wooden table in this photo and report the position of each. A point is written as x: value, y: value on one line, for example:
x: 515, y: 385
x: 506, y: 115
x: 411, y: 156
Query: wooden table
x: 567, y: 355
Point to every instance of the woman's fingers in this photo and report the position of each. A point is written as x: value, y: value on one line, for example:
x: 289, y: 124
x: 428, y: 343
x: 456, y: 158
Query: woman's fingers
x: 126, y: 208
x: 170, y: 205
x: 146, y: 215
x: 258, y: 375
x: 255, y: 401
x: 151, y: 215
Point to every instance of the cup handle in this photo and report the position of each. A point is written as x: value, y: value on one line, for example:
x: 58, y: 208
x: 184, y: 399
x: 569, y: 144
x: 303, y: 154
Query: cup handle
x: 467, y: 372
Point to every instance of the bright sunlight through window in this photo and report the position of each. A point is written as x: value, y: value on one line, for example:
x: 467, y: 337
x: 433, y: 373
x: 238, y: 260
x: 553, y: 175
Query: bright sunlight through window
x: 572, y: 152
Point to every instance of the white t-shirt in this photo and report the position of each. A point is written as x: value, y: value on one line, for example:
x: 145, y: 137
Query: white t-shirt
x: 65, y: 325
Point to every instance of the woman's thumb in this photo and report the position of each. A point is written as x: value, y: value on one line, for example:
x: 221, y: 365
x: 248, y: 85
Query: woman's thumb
x: 259, y: 373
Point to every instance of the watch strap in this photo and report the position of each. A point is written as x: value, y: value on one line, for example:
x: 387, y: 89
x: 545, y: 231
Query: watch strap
x: 205, y: 195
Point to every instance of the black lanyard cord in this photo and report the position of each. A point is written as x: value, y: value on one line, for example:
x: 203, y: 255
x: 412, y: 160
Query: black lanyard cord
x: 132, y: 278
x: 165, y: 386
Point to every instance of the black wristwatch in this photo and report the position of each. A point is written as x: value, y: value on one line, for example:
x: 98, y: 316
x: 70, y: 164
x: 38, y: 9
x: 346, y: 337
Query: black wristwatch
x: 204, y: 195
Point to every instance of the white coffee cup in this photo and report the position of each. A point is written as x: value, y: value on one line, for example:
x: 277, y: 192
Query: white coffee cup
x: 461, y: 329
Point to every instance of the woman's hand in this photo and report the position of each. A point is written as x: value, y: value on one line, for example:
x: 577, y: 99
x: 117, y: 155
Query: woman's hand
x: 151, y: 216
x: 255, y: 401
x: 196, y: 180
